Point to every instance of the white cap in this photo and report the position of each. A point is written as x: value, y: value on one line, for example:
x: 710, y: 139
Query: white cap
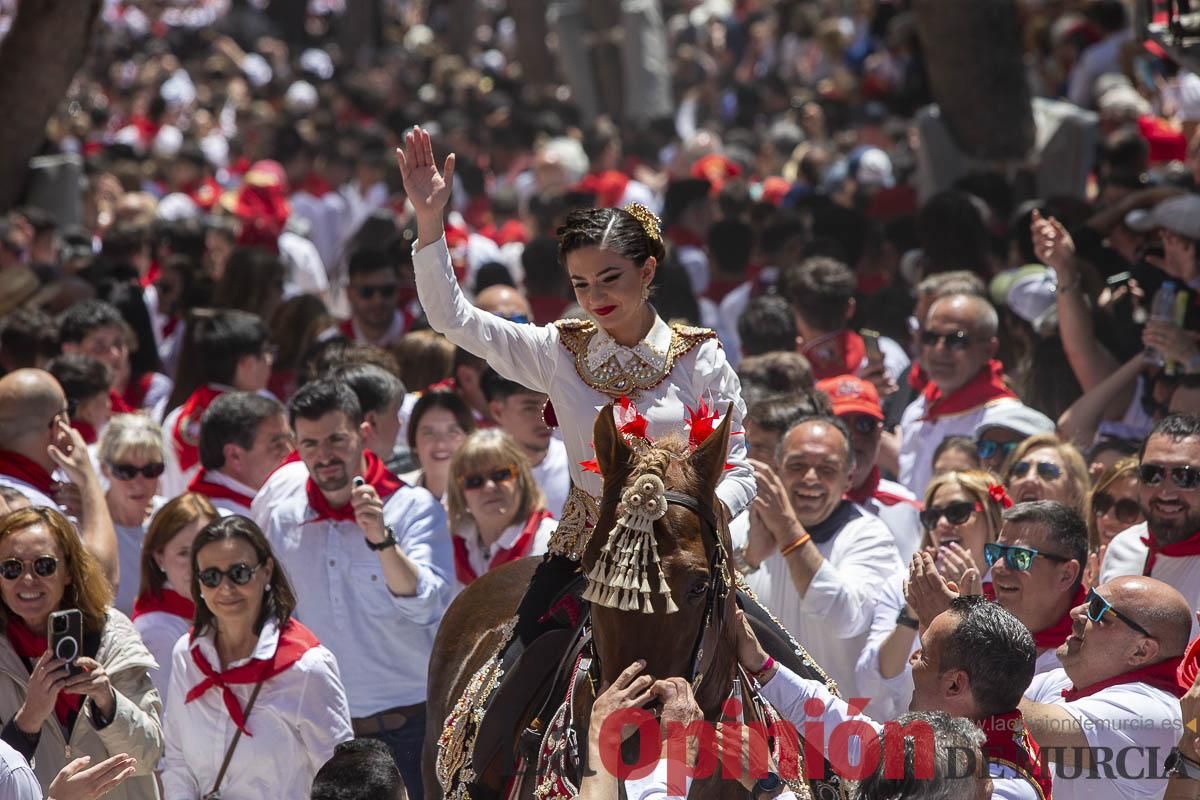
x: 1179, y: 215
x: 1032, y: 298
x: 875, y: 169
x: 178, y: 90
x: 1016, y: 417
x: 301, y: 98
x: 167, y: 142
x: 317, y: 62
x: 177, y: 206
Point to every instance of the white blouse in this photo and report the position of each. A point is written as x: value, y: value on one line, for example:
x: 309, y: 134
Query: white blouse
x: 299, y: 717
x: 664, y: 378
x: 481, y: 555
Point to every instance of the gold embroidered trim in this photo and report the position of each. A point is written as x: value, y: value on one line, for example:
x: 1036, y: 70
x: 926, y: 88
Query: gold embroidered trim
x: 610, y: 377
x: 579, y: 516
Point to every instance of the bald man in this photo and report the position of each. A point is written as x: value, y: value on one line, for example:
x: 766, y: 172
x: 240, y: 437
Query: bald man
x: 35, y: 439
x: 1109, y: 717
x: 505, y: 301
x: 957, y: 357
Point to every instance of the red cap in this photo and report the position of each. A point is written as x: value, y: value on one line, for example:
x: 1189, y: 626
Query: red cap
x: 852, y: 395
x: 716, y: 168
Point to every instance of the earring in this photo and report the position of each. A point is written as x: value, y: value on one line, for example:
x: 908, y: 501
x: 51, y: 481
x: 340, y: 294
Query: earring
x: 645, y: 292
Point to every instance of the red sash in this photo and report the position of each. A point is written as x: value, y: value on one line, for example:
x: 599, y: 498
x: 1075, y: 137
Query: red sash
x: 462, y: 562
x: 168, y: 601
x: 1163, y: 676
x: 294, y: 641
x: 30, y: 646
x: 186, y: 435
x: 1010, y: 743
x: 376, y: 474
x: 86, y: 429
x: 839, y: 354
x: 1057, y: 633
x: 866, y: 490
x: 15, y: 465
x: 119, y: 406
x: 1188, y: 547
x: 986, y: 386
x: 200, y: 484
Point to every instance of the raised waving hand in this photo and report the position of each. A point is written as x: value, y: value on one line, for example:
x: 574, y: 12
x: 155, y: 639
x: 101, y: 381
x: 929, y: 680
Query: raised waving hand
x: 428, y: 189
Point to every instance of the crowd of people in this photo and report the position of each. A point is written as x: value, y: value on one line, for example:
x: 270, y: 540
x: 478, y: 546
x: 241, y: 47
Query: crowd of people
x: 321, y: 338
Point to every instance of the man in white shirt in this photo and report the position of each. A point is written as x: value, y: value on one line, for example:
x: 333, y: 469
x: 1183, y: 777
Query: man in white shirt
x: 958, y: 345
x: 243, y: 437
x: 822, y: 557
x: 1110, y: 732
x: 374, y: 283
x: 856, y: 403
x: 518, y: 411
x: 1167, y: 545
x: 373, y: 564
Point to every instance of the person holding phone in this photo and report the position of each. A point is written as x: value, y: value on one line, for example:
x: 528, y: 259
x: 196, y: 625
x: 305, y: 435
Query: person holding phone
x: 100, y: 705
x: 256, y: 704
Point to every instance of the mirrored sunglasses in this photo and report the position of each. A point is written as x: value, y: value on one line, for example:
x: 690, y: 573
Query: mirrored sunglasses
x: 43, y: 567
x: 1186, y: 478
x: 1098, y: 606
x: 1015, y: 556
x: 1046, y: 470
x: 239, y: 574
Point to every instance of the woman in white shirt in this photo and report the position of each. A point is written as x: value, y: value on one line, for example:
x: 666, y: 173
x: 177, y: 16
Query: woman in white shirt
x: 497, y: 511
x: 164, y: 609
x: 961, y: 514
x: 439, y: 424
x: 248, y: 667
x: 131, y: 459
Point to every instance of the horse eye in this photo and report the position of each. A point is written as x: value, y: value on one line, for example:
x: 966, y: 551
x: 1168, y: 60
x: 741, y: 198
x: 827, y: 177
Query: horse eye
x: 698, y: 588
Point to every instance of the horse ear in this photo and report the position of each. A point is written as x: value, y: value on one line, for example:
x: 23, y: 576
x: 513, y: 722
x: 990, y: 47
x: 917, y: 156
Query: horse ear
x: 612, y: 452
x: 709, y: 458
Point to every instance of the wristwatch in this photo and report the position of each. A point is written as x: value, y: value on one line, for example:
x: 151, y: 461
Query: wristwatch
x: 768, y: 787
x: 388, y: 541
x: 1180, y: 766
x: 907, y: 621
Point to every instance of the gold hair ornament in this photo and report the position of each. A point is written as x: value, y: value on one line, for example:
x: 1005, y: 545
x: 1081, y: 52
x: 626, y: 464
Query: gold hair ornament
x: 647, y: 218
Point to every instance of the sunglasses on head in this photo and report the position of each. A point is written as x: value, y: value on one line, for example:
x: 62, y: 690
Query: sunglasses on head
x: 239, y: 574
x: 1127, y: 511
x: 384, y: 291
x: 1187, y: 478
x: 1015, y: 556
x: 43, y: 567
x: 497, y: 476
x: 956, y: 513
x: 1046, y: 470
x: 1097, y: 607
x: 954, y: 340
x: 986, y: 448
x: 127, y: 472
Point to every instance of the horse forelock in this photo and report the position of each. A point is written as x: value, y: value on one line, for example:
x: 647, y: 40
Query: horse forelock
x: 668, y: 458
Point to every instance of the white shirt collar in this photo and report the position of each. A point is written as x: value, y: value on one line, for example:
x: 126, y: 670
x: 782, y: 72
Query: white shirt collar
x: 470, y: 534
x: 221, y: 479
x: 653, y: 349
x: 268, y: 641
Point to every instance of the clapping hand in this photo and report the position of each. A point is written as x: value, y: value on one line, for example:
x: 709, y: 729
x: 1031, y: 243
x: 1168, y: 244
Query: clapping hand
x: 926, y: 591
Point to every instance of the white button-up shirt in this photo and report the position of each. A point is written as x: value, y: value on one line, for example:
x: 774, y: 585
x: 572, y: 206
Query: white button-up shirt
x: 286, y: 481
x: 383, y: 642
x: 534, y: 357
x: 17, y: 781
x: 1126, y: 555
x: 224, y: 505
x: 300, y: 715
x: 553, y: 477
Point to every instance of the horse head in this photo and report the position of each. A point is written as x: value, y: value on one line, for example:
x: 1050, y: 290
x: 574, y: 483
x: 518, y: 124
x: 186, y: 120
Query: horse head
x: 659, y: 577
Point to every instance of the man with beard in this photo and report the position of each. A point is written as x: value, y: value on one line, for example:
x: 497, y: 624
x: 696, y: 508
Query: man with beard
x: 372, y: 560
x: 1167, y: 545
x: 1110, y: 730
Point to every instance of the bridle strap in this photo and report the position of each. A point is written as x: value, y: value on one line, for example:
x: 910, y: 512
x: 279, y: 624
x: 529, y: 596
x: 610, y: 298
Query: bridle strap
x: 717, y: 589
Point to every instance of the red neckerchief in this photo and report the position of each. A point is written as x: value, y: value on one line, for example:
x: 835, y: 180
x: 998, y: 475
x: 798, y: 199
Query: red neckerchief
x: 376, y: 474
x: 86, y: 429
x: 1056, y: 634
x: 30, y: 646
x: 1008, y: 741
x: 917, y: 379
x: 168, y: 601
x: 136, y: 391
x: 169, y: 327
x: 200, y: 484
x: 119, y: 406
x: 836, y: 354
x: 346, y: 328
x: 683, y: 237
x: 1188, y: 547
x: 15, y: 465
x: 866, y: 490
x: 1189, y: 666
x: 1163, y: 676
x: 462, y: 562
x: 186, y: 436
x: 294, y: 641
x: 986, y: 386
x: 315, y: 185
x: 608, y: 186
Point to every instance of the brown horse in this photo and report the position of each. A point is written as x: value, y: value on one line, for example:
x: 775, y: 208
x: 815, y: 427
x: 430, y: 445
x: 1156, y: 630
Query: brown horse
x: 694, y: 641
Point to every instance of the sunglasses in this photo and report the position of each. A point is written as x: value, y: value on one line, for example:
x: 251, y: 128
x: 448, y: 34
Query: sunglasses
x: 520, y: 319
x: 1127, y: 511
x: 1046, y: 470
x: 127, y: 472
x: 986, y: 448
x: 239, y: 574
x: 497, y: 476
x: 956, y: 513
x: 1097, y: 607
x: 43, y: 567
x: 861, y: 423
x: 955, y: 340
x: 385, y: 291
x: 1016, y: 557
x: 1186, y: 478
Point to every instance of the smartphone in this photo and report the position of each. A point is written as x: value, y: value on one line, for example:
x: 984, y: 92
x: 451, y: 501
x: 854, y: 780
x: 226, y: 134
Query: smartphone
x: 66, y: 637
x: 871, y: 340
